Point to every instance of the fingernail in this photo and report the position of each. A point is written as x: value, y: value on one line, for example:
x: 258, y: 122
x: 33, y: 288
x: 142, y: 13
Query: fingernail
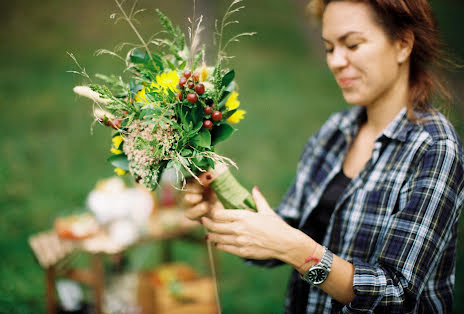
x: 209, y: 177
x: 206, y: 236
x: 257, y: 189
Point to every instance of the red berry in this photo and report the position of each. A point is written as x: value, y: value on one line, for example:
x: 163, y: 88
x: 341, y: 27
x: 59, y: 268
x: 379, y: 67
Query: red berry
x: 182, y: 82
x: 200, y: 89
x: 125, y: 112
x: 208, y: 110
x: 180, y: 96
x: 187, y: 74
x: 106, y: 121
x: 192, y: 98
x: 217, y: 115
x: 190, y: 85
x: 116, y: 124
x: 196, y: 76
x: 207, y: 124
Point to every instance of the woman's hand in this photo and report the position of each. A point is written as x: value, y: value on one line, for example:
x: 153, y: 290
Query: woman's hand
x: 199, y: 198
x: 258, y: 235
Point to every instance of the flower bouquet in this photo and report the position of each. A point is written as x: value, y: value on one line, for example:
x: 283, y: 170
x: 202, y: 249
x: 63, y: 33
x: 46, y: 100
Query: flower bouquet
x: 169, y: 109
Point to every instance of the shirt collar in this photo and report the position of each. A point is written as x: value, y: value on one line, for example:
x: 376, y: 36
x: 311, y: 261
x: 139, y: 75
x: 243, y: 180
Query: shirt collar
x: 397, y: 129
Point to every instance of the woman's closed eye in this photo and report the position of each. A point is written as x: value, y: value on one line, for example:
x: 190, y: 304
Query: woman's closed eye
x: 353, y: 47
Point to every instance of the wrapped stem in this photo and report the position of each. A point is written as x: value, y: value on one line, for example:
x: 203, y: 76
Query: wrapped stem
x: 231, y: 193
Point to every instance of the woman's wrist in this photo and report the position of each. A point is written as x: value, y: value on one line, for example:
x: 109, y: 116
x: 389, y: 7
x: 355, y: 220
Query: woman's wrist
x: 299, y: 247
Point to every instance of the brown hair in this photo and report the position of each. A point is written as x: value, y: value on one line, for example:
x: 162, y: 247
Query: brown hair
x: 397, y: 17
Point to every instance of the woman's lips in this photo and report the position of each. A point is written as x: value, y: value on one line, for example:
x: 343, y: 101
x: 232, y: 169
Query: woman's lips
x: 346, y: 82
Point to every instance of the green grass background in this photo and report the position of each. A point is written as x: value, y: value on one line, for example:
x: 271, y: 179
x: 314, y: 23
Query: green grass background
x: 49, y: 161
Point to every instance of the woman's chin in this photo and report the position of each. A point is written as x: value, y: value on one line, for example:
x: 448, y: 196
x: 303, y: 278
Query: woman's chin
x: 354, y: 100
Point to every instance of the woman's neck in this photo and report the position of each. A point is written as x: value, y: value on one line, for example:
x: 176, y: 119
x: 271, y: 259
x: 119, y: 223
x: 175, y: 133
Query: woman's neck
x: 384, y: 110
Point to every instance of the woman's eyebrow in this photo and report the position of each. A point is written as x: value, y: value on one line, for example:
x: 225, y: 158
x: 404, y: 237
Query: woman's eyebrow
x: 341, y: 38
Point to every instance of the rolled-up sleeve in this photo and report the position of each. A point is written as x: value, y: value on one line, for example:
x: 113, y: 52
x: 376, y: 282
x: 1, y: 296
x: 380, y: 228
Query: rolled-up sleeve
x: 418, y: 233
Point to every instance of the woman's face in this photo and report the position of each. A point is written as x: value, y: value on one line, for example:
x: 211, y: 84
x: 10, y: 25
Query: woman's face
x: 364, y: 61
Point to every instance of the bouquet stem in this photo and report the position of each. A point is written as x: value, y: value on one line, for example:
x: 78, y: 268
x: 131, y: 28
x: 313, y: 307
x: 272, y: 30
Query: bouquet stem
x: 230, y: 192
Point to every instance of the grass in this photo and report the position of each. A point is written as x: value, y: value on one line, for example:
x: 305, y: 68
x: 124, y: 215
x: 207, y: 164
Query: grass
x: 49, y: 161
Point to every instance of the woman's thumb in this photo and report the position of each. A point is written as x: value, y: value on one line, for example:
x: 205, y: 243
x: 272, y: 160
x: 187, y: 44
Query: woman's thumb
x: 259, y: 199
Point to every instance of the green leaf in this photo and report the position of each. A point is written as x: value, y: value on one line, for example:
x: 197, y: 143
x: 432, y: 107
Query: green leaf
x: 197, y: 115
x: 186, y: 152
x: 202, y: 139
x: 227, y: 78
x: 119, y: 161
x: 170, y: 65
x: 221, y: 133
x: 137, y: 56
x: 227, y: 114
x: 198, y: 126
x: 134, y: 87
x: 158, y: 62
x: 224, y: 97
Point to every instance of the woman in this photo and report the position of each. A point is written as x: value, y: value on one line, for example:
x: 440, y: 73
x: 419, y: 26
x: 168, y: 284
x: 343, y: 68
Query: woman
x: 370, y: 222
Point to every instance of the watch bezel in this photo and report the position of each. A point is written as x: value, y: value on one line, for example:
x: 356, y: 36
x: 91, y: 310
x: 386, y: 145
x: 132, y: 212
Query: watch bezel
x: 314, y: 270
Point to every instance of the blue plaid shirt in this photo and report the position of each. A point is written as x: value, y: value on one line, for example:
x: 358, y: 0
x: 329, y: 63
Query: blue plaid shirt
x: 396, y: 221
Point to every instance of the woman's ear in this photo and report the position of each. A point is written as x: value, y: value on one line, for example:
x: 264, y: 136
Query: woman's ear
x: 404, y: 46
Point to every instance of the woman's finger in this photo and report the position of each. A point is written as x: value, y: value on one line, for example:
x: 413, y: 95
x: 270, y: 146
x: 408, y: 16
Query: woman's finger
x: 228, y: 214
x: 193, y: 187
x: 197, y: 211
x: 222, y: 238
x: 219, y: 227
x: 232, y: 249
x: 193, y: 198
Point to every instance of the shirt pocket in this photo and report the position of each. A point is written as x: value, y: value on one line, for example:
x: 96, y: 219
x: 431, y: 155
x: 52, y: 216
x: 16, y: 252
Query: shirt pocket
x: 367, y: 215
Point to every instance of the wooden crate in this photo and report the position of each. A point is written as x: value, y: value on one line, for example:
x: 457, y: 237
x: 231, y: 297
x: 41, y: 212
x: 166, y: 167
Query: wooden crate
x: 198, y: 295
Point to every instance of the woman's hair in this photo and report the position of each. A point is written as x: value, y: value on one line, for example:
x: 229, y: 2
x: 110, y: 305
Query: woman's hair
x: 398, y: 17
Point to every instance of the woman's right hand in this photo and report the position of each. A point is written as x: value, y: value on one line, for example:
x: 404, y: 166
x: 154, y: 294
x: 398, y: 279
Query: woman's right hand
x: 199, y: 198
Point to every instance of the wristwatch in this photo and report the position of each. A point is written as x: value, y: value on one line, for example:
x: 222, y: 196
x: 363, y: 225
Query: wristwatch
x: 318, y: 273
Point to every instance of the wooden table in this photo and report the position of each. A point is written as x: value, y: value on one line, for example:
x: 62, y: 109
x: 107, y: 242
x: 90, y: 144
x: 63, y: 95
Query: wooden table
x: 54, y: 253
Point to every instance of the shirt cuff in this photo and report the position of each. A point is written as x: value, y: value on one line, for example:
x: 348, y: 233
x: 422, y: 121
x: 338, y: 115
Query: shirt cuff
x: 369, y: 286
x: 264, y: 263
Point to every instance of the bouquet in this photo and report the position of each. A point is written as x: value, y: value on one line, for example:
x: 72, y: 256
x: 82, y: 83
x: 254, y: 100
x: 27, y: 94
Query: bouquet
x: 168, y: 108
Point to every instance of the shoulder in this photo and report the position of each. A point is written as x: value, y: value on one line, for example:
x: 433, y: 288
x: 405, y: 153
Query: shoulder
x: 437, y: 126
x: 438, y: 131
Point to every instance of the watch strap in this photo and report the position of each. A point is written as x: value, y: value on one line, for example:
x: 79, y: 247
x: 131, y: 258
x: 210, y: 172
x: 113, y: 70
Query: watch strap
x: 325, y: 262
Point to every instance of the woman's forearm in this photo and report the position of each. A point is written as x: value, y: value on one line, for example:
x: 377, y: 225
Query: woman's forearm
x: 339, y: 283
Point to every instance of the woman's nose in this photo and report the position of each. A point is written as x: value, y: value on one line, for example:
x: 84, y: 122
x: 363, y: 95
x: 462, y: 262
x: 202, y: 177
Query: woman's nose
x: 337, y: 59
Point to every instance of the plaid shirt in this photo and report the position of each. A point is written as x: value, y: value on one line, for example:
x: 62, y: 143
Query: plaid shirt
x: 396, y: 221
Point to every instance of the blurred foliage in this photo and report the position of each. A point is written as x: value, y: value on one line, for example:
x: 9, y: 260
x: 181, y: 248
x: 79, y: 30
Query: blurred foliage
x: 49, y: 160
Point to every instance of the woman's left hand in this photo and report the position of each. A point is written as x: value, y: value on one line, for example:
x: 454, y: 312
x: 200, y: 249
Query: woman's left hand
x: 257, y: 235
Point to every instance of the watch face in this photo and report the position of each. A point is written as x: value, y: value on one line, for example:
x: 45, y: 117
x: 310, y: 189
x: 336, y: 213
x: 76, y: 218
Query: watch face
x: 317, y: 275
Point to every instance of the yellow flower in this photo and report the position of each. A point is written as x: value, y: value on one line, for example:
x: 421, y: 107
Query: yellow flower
x: 140, y: 96
x: 117, y: 140
x: 237, y: 116
x: 232, y: 103
x: 119, y: 171
x: 166, y: 81
x: 203, y: 73
x: 116, y: 151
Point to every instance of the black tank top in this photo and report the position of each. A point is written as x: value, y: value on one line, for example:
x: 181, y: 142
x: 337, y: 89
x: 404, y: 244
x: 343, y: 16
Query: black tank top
x: 316, y: 227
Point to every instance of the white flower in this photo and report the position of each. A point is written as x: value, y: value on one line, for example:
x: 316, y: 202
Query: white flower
x: 123, y: 232
x: 208, y: 86
x: 89, y: 93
